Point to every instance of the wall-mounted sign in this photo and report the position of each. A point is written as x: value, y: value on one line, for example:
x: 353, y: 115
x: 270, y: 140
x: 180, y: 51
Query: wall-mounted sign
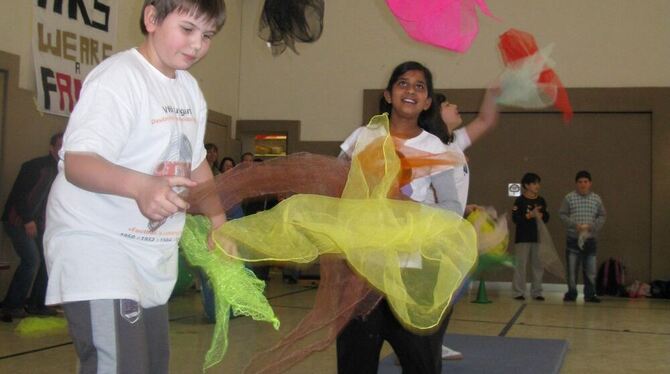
x: 514, y: 189
x: 69, y: 39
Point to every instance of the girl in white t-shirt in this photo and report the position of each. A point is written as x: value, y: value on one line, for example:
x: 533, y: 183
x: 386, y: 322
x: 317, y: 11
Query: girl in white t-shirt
x: 408, y: 99
x: 460, y: 138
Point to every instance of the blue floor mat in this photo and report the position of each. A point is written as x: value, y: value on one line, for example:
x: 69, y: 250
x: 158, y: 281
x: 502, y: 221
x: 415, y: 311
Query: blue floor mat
x: 496, y: 355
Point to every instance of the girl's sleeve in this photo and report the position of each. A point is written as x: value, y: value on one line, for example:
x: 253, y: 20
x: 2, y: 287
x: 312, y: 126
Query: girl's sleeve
x: 446, y: 193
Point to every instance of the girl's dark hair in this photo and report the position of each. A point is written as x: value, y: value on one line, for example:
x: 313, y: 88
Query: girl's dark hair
x: 444, y: 134
x: 223, y: 161
x: 285, y: 22
x: 428, y: 119
x: 209, y: 9
x: 529, y: 178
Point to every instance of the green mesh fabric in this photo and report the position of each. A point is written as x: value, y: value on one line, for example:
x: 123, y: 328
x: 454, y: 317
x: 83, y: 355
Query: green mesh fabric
x: 235, y: 287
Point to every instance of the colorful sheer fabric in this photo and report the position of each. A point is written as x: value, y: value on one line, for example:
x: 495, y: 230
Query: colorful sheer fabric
x: 529, y: 80
x: 296, y: 173
x: 305, y: 220
x: 341, y: 297
x: 283, y: 22
x: 492, y: 238
x: 450, y: 24
x: 376, y: 234
x: 234, y: 286
x: 547, y: 252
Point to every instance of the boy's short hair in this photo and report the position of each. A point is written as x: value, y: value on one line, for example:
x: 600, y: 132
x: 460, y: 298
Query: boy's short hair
x: 209, y: 9
x: 583, y: 174
x: 55, y: 137
x: 209, y: 146
x: 529, y: 178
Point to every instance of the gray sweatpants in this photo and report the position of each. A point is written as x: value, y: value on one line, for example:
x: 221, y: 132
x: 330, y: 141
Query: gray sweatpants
x: 119, y: 337
x: 522, y: 252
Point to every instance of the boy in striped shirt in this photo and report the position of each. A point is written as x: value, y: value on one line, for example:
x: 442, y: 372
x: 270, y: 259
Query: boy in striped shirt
x: 583, y: 213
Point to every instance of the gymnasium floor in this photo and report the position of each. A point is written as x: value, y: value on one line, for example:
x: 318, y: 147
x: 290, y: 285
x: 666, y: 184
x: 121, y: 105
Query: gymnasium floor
x: 616, y: 336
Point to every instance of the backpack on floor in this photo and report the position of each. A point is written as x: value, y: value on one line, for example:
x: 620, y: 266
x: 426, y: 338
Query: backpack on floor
x: 610, y: 279
x: 660, y: 289
x: 638, y: 289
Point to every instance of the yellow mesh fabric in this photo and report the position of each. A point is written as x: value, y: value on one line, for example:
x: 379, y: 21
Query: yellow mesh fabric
x: 492, y: 232
x: 34, y: 327
x: 416, y: 255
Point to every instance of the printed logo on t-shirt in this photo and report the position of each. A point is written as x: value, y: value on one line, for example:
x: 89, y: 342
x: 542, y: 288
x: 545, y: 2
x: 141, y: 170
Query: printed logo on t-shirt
x: 173, y: 114
x: 176, y: 161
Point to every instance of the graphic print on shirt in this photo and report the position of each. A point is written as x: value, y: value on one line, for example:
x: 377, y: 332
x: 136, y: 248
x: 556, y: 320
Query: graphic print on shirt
x: 176, y: 162
x: 174, y: 123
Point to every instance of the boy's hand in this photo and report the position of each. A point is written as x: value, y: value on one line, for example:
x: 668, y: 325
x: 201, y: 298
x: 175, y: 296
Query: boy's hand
x: 157, y: 199
x: 31, y: 229
x: 537, y: 212
x: 228, y: 246
x: 583, y: 227
x: 217, y: 221
x: 472, y: 207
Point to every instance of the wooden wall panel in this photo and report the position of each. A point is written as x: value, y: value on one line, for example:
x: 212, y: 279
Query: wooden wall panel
x: 621, y: 135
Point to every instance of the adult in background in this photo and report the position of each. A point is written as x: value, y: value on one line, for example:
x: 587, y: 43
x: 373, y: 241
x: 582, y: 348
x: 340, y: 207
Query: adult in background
x: 23, y: 219
x: 213, y: 157
x: 227, y: 163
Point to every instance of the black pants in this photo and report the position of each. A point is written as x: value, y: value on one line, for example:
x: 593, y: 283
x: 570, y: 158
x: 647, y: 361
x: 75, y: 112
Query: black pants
x: 360, y: 342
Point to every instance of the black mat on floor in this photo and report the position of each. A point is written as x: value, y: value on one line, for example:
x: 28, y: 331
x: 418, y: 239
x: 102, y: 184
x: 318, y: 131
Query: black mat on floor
x: 497, y: 355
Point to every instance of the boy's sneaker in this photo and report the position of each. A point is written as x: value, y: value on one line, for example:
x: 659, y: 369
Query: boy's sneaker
x: 592, y: 299
x: 539, y: 298
x: 41, y: 311
x: 450, y: 354
x: 520, y: 297
x: 15, y: 313
x: 569, y: 297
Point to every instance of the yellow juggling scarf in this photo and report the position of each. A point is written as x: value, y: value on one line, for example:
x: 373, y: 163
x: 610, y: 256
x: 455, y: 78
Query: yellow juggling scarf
x: 416, y: 255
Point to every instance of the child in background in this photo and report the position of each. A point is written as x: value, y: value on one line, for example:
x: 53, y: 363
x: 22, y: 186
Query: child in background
x: 460, y: 137
x: 527, y: 208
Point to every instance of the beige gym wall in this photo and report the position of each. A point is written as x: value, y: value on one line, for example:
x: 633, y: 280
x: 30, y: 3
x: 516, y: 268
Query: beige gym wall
x: 613, y: 43
x: 217, y: 74
x: 616, y: 43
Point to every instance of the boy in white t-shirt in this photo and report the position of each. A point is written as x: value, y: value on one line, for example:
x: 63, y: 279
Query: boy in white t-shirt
x: 132, y: 149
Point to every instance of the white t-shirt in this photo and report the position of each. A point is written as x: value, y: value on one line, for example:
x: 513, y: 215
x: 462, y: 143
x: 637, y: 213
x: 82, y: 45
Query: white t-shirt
x: 462, y: 173
x: 419, y: 189
x: 98, y: 246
